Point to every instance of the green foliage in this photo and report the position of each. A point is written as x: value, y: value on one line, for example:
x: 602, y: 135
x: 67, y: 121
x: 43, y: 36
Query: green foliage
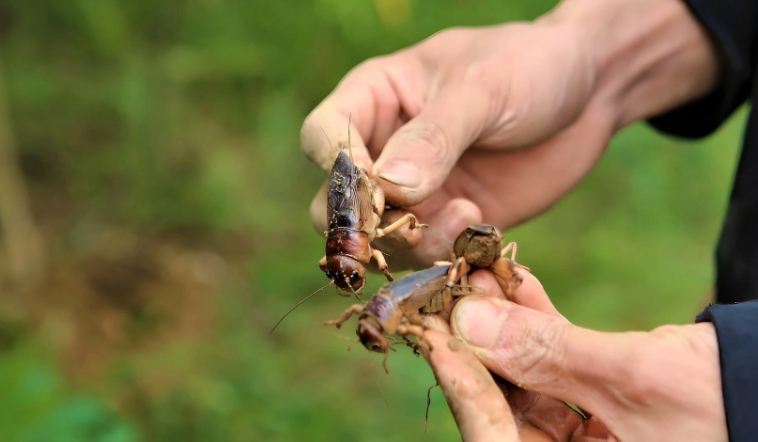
x: 37, y: 406
x: 182, y: 117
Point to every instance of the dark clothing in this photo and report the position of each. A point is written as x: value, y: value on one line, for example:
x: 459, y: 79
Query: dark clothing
x: 733, y: 26
x: 738, y: 354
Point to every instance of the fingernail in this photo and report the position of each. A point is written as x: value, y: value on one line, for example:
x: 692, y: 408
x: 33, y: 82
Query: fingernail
x: 478, y: 322
x: 401, y: 172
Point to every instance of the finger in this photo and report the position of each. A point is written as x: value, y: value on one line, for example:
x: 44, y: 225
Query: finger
x: 512, y: 186
x: 444, y: 227
x: 544, y: 353
x: 419, y: 156
x: 529, y: 294
x: 477, y: 404
x: 413, y: 249
x: 375, y: 104
x: 551, y: 416
x: 318, y: 208
x: 325, y: 130
x: 592, y: 430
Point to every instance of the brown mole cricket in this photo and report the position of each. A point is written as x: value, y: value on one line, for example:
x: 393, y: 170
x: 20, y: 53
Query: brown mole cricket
x: 354, y: 209
x: 480, y: 246
x: 395, y: 309
x: 399, y: 307
x: 355, y: 205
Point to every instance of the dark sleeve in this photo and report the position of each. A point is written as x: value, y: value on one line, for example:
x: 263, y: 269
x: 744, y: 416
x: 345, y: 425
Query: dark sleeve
x: 732, y: 26
x: 737, y: 333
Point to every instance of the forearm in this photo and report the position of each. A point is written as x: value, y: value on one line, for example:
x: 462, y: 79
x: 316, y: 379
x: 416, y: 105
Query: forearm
x: 649, y: 56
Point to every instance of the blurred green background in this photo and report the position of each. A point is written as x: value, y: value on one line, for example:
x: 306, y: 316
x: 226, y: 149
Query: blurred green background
x: 156, y: 145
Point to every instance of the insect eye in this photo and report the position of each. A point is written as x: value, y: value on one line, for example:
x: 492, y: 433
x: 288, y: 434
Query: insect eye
x: 354, y: 275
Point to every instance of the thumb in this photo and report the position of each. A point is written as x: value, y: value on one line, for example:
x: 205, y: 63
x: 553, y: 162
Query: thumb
x: 545, y: 353
x: 419, y: 156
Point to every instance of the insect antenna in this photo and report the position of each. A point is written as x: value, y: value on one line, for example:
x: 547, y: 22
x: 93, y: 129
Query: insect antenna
x: 349, y: 145
x: 330, y: 147
x: 352, y: 343
x: 379, y: 382
x: 372, y: 373
x: 298, y: 305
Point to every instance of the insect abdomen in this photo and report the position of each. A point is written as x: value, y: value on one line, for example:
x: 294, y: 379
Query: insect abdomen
x: 350, y: 242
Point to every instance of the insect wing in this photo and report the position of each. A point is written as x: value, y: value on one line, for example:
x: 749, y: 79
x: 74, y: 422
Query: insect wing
x: 416, y: 289
x: 346, y: 201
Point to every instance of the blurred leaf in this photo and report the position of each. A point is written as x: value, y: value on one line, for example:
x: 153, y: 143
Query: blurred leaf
x: 35, y: 405
x: 105, y: 21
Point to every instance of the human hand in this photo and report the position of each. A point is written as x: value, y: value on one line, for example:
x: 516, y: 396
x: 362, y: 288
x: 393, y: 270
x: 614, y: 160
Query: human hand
x: 487, y: 407
x: 660, y: 385
x: 496, y: 124
x: 417, y: 112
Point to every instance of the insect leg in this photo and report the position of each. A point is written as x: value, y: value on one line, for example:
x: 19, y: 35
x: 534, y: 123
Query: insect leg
x: 464, y: 284
x: 377, y: 199
x: 459, y: 269
x: 344, y: 295
x: 354, y: 309
x: 413, y: 325
x: 412, y: 345
x: 408, y: 218
x: 382, y: 263
x: 513, y: 247
x: 322, y: 264
x: 352, y: 343
x: 507, y: 278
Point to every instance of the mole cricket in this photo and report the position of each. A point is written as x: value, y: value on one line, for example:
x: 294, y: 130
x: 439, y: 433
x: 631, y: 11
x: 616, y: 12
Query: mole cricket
x: 354, y: 209
x: 399, y: 307
x: 480, y: 246
x: 355, y: 206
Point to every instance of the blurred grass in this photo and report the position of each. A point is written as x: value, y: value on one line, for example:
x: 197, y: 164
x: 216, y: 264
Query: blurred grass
x: 160, y: 143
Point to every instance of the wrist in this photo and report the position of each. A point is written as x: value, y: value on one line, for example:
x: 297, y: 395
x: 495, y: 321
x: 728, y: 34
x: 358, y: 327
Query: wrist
x: 647, y: 56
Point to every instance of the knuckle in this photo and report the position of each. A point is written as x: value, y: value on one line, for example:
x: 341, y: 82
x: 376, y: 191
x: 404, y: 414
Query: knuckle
x: 468, y: 387
x: 372, y: 64
x: 486, y: 90
x: 429, y: 136
x: 369, y: 68
x: 537, y: 352
x: 479, y: 73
